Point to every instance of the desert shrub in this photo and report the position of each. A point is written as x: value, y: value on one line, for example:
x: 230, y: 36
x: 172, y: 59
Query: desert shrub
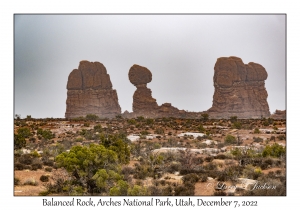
x: 257, y: 139
x: 184, y: 190
x: 142, y: 171
x: 44, y: 193
x: 266, y: 123
x: 32, y: 140
x: 46, y: 134
x: 36, y: 166
x: 220, y: 193
x: 19, y: 141
x: 48, y: 169
x: 127, y: 170
x: 278, y: 172
x: 35, y: 154
x: 268, y: 161
x: 222, y: 176
x: 16, y: 181
x: 48, y: 162
x: 209, y: 158
x: 252, y: 172
x: 44, y: 178
x: 185, y: 171
x: 174, y: 166
x: 274, y: 150
x: 26, y: 159
x: 167, y: 191
x: 137, y: 191
x: 237, y: 125
x: 31, y: 181
x: 256, y: 130
x: 24, y: 132
x: 86, y: 124
x: 98, y: 128
x: 221, y: 156
x: 192, y: 178
x: 203, y: 177
x: 149, y: 121
x: 210, y: 166
x: 28, y: 167
x: 281, y: 137
x: 154, y: 191
x: 91, y: 117
x: 220, y: 145
x: 204, y: 116
x: 79, y: 139
x: 201, y: 129
x: 144, y: 133
x: 18, y: 166
x: 229, y: 139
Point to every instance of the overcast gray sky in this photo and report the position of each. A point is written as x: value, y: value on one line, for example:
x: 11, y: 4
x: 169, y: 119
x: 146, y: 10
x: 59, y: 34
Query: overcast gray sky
x: 179, y: 50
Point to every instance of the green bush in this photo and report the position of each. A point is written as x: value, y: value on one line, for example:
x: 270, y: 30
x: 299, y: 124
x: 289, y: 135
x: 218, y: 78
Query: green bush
x: 19, y: 141
x: 274, y: 150
x: 19, y: 166
x: 257, y: 139
x: 26, y: 159
x: 16, y: 181
x: 46, y: 134
x: 185, y: 190
x: 256, y: 130
x: 98, y: 128
x: 192, y: 178
x: 36, y: 166
x: 229, y: 139
x: 86, y: 124
x: 91, y: 117
x: 44, y: 178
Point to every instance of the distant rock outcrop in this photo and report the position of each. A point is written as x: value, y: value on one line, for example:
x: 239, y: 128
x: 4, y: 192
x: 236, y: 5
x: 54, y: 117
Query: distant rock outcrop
x: 90, y: 92
x: 279, y: 114
x: 143, y: 102
x: 239, y: 89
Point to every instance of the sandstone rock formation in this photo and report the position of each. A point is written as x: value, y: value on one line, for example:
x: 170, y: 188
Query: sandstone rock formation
x: 143, y: 102
x: 279, y: 114
x: 239, y: 89
x: 90, y: 92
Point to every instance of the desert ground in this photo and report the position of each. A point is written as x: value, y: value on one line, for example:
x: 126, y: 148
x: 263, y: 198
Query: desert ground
x: 166, y: 156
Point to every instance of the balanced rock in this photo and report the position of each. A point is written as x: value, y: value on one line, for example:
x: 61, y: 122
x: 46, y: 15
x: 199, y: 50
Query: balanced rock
x: 139, y: 75
x: 239, y: 89
x: 90, y: 92
x: 143, y: 102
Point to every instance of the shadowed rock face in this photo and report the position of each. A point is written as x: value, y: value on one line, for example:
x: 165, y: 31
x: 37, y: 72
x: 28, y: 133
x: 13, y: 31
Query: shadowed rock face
x: 90, y: 92
x: 239, y: 89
